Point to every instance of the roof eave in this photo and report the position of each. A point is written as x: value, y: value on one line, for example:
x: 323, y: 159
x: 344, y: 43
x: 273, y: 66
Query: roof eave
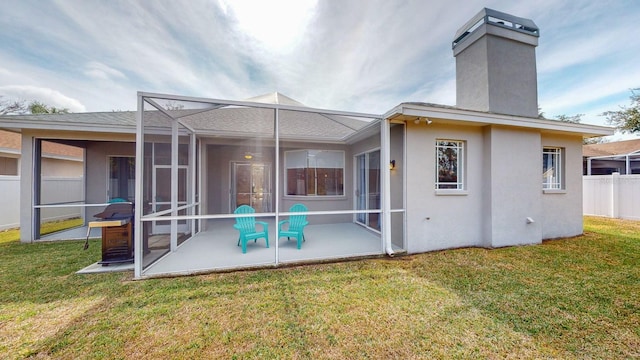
x: 482, y: 118
x: 17, y: 126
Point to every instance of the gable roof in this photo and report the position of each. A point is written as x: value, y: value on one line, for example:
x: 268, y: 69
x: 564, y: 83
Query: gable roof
x: 624, y: 147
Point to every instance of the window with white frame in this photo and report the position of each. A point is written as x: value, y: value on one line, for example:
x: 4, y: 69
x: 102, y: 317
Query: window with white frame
x: 450, y: 164
x: 552, y: 168
x: 314, y: 172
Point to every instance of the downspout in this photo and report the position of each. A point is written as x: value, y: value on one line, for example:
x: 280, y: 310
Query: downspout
x: 386, y: 183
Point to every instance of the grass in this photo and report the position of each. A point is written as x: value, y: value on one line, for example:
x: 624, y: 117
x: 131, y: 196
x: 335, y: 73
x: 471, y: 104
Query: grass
x: 567, y: 298
x: 13, y: 235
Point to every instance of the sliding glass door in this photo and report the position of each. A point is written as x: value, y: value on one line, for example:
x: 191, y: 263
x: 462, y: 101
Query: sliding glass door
x: 368, y: 188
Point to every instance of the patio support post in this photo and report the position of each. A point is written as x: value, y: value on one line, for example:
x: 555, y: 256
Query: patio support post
x: 137, y: 253
x: 192, y: 182
x: 28, y: 181
x: 174, y: 184
x: 277, y: 177
x: 385, y: 154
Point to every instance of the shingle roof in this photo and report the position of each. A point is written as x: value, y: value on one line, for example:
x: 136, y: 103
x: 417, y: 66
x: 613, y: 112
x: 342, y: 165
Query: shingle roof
x: 241, y: 121
x: 113, y: 118
x: 612, y: 148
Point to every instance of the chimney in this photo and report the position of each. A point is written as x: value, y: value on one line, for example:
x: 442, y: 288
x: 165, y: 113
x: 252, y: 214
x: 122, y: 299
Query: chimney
x: 496, y: 64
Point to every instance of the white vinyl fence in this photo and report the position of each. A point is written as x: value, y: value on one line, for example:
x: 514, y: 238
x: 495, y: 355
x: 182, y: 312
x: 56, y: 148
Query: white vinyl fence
x: 54, y: 190
x: 615, y: 196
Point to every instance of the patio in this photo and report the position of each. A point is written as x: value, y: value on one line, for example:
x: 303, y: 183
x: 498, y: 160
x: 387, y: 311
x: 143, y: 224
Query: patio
x: 216, y: 249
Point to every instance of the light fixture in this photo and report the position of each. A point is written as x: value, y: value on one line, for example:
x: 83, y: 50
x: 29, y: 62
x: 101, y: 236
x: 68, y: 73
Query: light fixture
x: 426, y: 120
x: 392, y: 165
x: 248, y: 155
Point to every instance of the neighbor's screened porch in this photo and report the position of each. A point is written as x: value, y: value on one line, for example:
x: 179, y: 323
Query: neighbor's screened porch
x: 202, y: 159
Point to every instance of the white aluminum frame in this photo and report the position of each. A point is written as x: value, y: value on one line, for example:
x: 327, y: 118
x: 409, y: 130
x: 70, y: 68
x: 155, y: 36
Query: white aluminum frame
x: 140, y: 218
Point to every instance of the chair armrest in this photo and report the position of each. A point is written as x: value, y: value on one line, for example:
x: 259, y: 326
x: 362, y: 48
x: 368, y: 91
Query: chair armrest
x: 265, y: 226
x: 282, y: 222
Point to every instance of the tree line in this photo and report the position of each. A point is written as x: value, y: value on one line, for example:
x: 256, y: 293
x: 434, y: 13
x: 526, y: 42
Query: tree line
x: 16, y: 107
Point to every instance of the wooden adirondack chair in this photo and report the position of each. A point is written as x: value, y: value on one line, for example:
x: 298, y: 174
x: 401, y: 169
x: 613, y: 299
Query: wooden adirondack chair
x: 247, y: 227
x: 296, y: 225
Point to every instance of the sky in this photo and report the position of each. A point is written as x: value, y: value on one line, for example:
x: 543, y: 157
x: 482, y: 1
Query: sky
x: 353, y: 55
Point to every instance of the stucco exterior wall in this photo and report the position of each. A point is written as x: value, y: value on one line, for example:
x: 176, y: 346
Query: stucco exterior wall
x: 332, y: 203
x: 496, y: 72
x: 62, y: 168
x: 396, y: 179
x: 97, y: 154
x: 515, y: 181
x: 562, y: 211
x: 503, y: 189
x: 218, y: 177
x: 436, y: 221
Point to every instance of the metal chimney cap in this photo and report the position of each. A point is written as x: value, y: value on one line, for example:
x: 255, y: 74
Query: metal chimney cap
x: 496, y: 18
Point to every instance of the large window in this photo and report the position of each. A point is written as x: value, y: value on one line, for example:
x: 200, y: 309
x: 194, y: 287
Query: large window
x: 449, y: 164
x: 314, y: 172
x: 552, y: 168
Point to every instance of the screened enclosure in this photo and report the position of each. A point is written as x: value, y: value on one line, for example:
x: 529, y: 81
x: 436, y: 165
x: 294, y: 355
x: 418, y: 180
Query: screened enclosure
x: 219, y: 181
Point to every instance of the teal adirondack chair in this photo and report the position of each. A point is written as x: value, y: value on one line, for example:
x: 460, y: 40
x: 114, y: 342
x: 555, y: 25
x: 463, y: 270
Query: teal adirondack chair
x: 247, y: 227
x: 296, y: 225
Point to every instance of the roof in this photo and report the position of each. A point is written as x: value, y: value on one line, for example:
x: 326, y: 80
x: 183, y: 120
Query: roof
x: 612, y: 148
x: 410, y: 111
x: 236, y: 118
x: 276, y: 98
x: 297, y: 121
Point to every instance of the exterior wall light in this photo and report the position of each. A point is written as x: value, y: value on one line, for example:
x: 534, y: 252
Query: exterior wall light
x: 392, y: 165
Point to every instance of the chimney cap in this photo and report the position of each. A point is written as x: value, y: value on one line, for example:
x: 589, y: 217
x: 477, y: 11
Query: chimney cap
x: 496, y: 18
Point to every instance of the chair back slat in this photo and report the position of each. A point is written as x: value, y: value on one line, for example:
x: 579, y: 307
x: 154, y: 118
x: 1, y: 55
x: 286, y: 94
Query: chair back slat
x: 297, y: 222
x: 246, y: 223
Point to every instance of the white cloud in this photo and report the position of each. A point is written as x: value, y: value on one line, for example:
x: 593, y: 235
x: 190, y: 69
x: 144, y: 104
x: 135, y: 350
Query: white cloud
x: 100, y: 71
x: 361, y: 56
x: 47, y: 96
x: 278, y: 25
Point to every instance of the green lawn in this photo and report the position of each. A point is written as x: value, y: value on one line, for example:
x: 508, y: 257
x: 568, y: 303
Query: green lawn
x: 569, y: 298
x: 13, y: 235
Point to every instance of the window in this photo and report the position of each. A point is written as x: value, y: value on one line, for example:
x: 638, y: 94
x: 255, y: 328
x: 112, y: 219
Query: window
x: 8, y: 166
x: 450, y: 164
x: 314, y: 172
x: 552, y: 168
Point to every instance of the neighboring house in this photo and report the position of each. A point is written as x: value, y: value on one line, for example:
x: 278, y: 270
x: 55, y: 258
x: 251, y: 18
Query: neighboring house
x: 421, y: 177
x: 62, y: 172
x: 604, y: 159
